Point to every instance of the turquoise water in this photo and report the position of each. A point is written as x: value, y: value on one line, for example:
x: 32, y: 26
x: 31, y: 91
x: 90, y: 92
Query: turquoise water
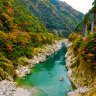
x: 46, y: 76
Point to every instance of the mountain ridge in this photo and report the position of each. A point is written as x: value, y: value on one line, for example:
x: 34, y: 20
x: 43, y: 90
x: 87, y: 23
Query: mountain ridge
x: 55, y: 14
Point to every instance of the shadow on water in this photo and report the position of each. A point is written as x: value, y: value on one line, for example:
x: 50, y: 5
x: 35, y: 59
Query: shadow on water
x: 46, y: 76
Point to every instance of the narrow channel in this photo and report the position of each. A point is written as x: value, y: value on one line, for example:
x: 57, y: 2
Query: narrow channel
x: 46, y: 76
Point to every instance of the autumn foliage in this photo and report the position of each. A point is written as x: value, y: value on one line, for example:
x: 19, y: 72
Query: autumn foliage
x: 86, y: 47
x: 20, y: 33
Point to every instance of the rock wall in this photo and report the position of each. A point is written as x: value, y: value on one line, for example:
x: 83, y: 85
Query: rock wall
x: 79, y: 73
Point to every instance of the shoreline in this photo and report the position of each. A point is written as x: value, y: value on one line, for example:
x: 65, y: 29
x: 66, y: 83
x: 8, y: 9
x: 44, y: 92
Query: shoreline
x: 41, y: 57
x: 9, y: 88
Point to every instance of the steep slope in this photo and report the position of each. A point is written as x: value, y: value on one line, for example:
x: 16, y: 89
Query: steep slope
x: 58, y: 16
x: 81, y: 59
x: 20, y: 33
x: 13, y: 14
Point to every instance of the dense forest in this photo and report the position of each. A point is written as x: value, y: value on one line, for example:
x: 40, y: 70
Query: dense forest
x: 28, y: 24
x: 20, y: 33
x: 58, y: 16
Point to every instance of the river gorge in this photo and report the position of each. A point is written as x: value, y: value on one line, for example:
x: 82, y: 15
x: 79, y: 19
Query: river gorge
x: 45, y: 77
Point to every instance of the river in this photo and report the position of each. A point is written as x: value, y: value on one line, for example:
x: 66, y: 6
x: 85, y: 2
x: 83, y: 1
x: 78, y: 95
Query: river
x: 46, y: 76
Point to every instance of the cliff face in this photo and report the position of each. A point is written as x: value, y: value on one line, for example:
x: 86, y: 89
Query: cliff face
x: 79, y: 72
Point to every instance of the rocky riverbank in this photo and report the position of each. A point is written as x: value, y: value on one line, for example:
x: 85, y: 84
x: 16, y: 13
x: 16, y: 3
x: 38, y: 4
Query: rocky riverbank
x: 9, y: 88
x: 40, y: 57
x: 76, y: 75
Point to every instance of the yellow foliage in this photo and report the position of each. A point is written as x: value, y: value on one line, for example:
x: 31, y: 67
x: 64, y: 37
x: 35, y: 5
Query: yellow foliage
x: 27, y: 35
x: 78, y: 94
x: 50, y: 34
x: 1, y: 25
x: 91, y: 55
x: 95, y: 28
x: 39, y: 39
x: 13, y: 37
x: 9, y: 10
x: 4, y: 35
x: 44, y: 38
x: 6, y: 16
x: 91, y: 93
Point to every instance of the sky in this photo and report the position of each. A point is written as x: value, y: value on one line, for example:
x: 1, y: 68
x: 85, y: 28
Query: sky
x: 80, y: 5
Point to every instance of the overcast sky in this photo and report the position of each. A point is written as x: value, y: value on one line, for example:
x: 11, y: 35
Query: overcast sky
x: 80, y: 5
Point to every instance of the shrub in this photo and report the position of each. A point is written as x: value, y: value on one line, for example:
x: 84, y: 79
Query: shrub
x: 3, y: 74
x: 7, y: 67
x: 22, y: 61
x: 28, y: 52
x: 77, y: 42
x: 72, y: 37
x: 86, y: 47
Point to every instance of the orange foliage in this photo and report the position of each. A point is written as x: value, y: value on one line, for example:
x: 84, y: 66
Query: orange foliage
x: 50, y: 34
x: 9, y: 52
x: 94, y: 63
x: 4, y: 35
x: 9, y: 47
x: 83, y: 52
x: 75, y: 35
x: 39, y: 35
x: 27, y: 35
x: 79, y: 49
x: 85, y: 39
x: 39, y: 39
x: 26, y: 40
x: 95, y: 28
x: 5, y: 15
x: 9, y: 10
x: 13, y: 37
x: 91, y: 55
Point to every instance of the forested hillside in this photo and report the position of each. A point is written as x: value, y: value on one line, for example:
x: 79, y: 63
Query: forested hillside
x: 58, y: 16
x: 28, y: 24
x: 18, y: 17
x: 20, y: 33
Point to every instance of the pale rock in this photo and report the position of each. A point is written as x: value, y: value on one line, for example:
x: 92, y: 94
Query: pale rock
x: 41, y: 57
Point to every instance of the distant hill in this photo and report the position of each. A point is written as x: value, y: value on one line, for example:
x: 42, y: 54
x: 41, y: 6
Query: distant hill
x: 58, y: 16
